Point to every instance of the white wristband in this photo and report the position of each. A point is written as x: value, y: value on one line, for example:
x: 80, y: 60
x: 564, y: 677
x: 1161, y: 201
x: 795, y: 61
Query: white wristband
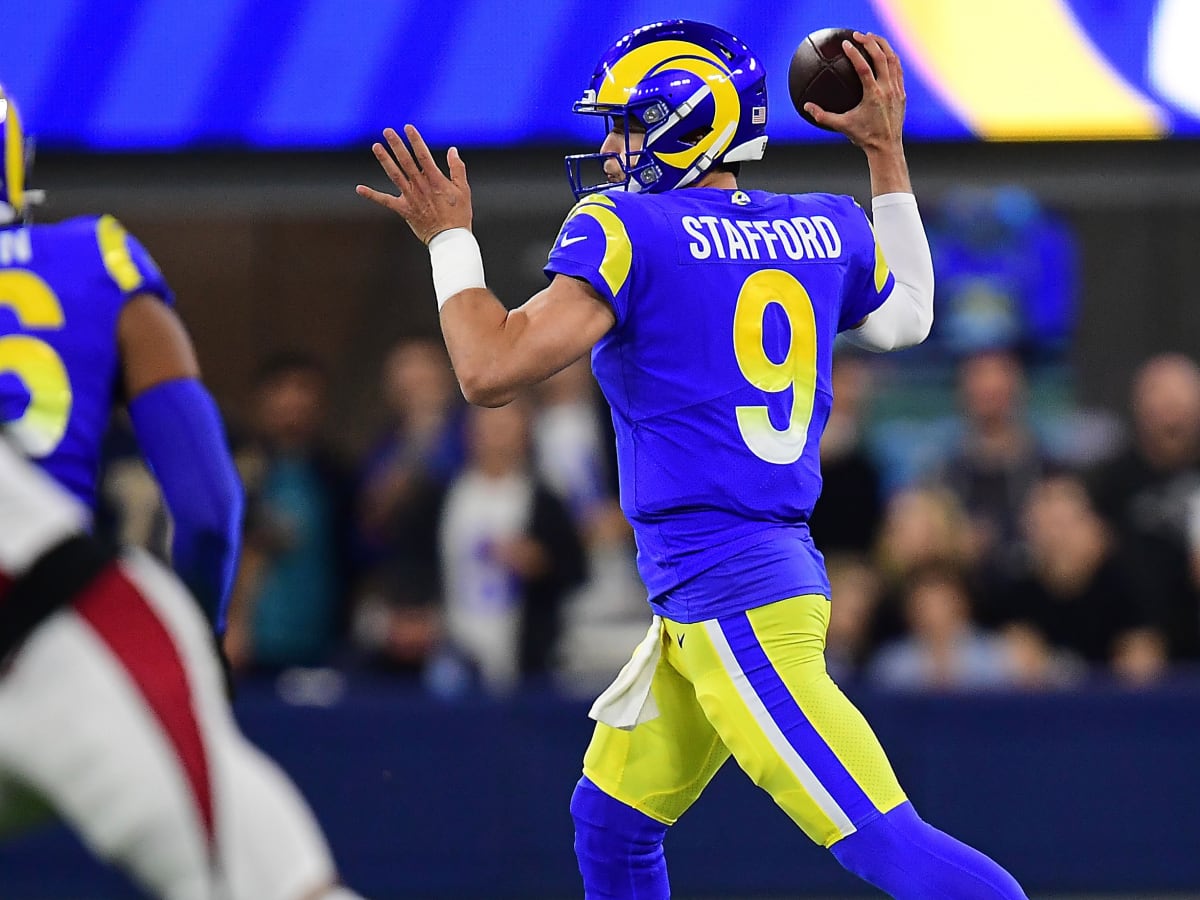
x: 457, y: 265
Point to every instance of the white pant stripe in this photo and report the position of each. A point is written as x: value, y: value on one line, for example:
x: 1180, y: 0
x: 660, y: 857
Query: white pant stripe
x: 774, y: 735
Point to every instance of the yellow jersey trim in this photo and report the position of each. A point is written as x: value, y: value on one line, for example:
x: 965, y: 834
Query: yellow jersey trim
x: 114, y: 251
x: 618, y: 251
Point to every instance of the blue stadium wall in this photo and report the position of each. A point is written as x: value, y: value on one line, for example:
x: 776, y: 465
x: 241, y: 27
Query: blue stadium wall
x: 1090, y: 792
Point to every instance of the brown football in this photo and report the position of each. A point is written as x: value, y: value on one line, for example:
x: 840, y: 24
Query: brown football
x: 821, y: 73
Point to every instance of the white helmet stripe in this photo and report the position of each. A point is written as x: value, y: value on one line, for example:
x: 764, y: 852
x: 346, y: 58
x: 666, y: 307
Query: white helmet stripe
x: 680, y: 111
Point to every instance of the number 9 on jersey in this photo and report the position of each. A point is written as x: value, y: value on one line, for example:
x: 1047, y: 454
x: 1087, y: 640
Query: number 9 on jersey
x: 797, y: 370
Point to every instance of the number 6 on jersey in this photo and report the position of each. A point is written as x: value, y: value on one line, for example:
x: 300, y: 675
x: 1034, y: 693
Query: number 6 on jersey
x: 798, y: 369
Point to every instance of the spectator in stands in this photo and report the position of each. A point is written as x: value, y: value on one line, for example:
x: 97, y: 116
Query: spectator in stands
x: 509, y: 553
x: 130, y: 508
x: 854, y: 591
x: 398, y: 608
x: 1075, y: 595
x: 922, y: 525
x: 997, y: 459
x: 1038, y: 665
x: 567, y: 442
x: 1007, y: 272
x: 847, y: 515
x: 1146, y: 496
x: 572, y: 448
x: 286, y: 608
x: 945, y: 649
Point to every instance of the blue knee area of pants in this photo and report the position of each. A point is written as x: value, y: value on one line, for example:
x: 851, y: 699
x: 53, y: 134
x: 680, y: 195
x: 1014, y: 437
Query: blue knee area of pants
x: 909, y: 859
x: 620, y: 850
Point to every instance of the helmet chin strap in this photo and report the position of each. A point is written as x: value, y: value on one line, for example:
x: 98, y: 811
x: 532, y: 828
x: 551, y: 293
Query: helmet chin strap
x: 629, y: 186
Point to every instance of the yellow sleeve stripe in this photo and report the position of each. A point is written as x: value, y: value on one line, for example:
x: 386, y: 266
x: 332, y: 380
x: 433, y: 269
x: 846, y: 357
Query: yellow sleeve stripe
x: 618, y: 251
x: 881, y: 269
x: 600, y: 199
x: 114, y: 251
x: 881, y: 266
x: 14, y: 158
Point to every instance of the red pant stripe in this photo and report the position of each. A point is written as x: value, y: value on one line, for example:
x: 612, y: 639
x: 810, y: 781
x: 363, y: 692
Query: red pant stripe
x: 116, y: 610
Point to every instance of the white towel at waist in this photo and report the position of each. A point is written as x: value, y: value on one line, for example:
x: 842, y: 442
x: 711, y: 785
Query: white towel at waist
x: 628, y: 701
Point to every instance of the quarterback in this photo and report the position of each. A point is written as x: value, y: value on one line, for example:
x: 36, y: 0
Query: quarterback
x: 86, y: 324
x: 710, y: 313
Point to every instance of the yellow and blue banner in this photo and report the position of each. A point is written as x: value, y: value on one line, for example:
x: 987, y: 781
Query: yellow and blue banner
x: 136, y: 75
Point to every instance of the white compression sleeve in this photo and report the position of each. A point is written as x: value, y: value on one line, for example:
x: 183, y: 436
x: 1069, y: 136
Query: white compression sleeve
x: 905, y: 317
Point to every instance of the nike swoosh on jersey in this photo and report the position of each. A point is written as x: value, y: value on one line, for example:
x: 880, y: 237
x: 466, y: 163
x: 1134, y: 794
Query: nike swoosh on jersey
x: 567, y: 242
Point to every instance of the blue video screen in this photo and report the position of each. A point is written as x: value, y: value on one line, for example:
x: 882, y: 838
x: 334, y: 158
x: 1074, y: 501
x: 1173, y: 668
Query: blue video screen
x: 153, y: 75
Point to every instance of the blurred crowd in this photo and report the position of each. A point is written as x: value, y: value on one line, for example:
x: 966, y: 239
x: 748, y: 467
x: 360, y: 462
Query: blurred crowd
x: 481, y: 550
x: 1005, y: 564
x: 469, y: 549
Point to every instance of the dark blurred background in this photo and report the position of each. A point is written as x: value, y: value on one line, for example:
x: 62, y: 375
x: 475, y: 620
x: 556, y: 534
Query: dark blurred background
x: 1011, y: 513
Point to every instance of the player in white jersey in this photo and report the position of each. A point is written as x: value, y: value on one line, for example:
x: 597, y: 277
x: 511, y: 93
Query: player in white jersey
x: 112, y: 711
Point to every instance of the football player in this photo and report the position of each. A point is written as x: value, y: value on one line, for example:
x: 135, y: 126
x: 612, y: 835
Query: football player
x: 710, y: 313
x: 86, y: 322
x: 112, y: 712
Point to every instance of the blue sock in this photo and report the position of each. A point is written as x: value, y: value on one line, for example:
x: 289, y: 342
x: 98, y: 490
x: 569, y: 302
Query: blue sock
x: 909, y: 859
x: 620, y: 850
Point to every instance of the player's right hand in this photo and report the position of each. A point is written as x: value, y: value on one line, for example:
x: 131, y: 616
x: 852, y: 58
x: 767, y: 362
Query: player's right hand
x: 426, y: 199
x: 877, y: 123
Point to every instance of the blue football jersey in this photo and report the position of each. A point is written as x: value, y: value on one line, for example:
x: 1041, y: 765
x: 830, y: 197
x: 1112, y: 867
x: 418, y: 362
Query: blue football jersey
x: 62, y: 288
x: 718, y: 372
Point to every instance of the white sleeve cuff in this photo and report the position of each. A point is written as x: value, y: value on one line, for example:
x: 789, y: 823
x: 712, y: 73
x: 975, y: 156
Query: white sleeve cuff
x: 899, y: 198
x: 457, y: 263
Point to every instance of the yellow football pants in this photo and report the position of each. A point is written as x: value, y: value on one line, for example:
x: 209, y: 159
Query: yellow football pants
x: 753, y: 685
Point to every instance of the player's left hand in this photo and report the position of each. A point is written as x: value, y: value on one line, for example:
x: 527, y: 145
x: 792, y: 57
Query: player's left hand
x: 427, y: 200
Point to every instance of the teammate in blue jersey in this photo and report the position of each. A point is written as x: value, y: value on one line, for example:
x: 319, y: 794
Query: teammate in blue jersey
x: 710, y: 313
x: 86, y: 322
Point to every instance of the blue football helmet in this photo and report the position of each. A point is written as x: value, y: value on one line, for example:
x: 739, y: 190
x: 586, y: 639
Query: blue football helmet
x: 14, y: 198
x: 695, y: 90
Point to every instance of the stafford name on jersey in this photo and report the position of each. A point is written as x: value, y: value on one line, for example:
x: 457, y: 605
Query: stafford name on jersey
x: 800, y: 237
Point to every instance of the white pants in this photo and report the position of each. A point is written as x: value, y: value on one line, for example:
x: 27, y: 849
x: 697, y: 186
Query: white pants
x: 114, y: 712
